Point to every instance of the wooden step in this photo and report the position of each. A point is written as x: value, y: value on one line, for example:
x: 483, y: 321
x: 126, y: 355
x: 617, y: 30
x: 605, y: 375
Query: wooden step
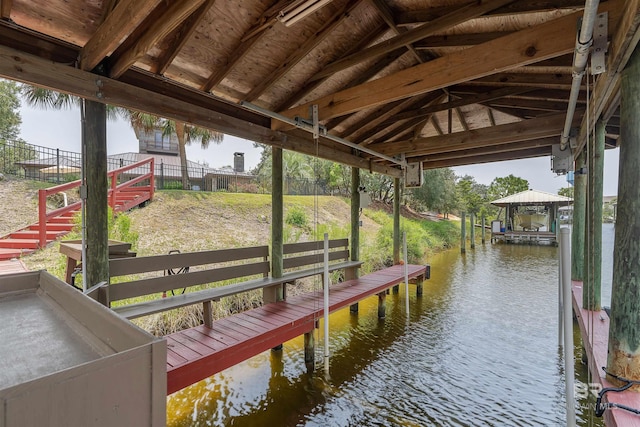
x: 9, y: 253
x: 60, y: 220
x: 54, y: 227
x: 35, y: 234
x: 19, y: 243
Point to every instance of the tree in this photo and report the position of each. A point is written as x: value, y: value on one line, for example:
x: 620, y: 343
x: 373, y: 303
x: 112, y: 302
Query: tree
x: 471, y: 195
x: 438, y: 191
x: 12, y: 148
x: 506, y: 186
x: 566, y: 192
x: 186, y: 133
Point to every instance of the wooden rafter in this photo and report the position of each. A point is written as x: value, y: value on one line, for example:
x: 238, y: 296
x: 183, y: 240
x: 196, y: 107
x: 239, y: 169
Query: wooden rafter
x: 178, y: 37
x: 458, y: 16
x: 373, y: 118
x: 477, y: 138
x: 492, y: 119
x: 458, y: 40
x: 467, y: 100
x: 436, y: 125
x: 387, y: 16
x: 120, y: 23
x: 530, y: 104
x: 489, y: 158
x: 527, y: 46
x: 173, y: 16
x: 425, y: 15
x: 371, y: 71
x: 334, y: 21
x: 5, y: 9
x: 461, y: 118
x: 545, y: 81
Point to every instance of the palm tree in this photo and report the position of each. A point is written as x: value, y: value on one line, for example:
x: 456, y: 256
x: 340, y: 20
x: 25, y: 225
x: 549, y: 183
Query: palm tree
x: 186, y: 133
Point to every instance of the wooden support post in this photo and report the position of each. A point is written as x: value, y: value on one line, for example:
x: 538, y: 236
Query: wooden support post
x: 472, y: 230
x: 579, y: 216
x: 396, y: 226
x: 275, y: 293
x: 419, y: 282
x: 483, y: 222
x: 624, y: 329
x: 463, y: 232
x: 94, y: 134
x: 352, y: 273
x: 309, y: 351
x: 382, y: 296
x: 207, y: 313
x: 592, y: 276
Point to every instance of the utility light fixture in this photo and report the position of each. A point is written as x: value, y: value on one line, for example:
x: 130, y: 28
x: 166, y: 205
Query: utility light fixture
x: 298, y: 10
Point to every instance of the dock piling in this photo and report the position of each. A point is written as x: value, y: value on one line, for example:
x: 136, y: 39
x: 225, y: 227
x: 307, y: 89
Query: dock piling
x: 472, y: 230
x: 309, y: 351
x: 463, y: 232
x: 382, y: 296
x: 567, y: 321
x: 483, y: 221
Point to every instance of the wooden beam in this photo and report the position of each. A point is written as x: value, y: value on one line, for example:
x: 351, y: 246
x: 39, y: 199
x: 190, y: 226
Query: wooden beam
x: 461, y: 119
x: 467, y: 100
x: 387, y: 16
x: 5, y: 9
x: 475, y: 152
x: 175, y: 14
x: 314, y: 40
x: 490, y: 136
x: 527, y: 46
x: 167, y: 100
x: 458, y: 40
x: 458, y: 16
x: 118, y: 25
x: 546, y: 81
x: 530, y: 104
x: 436, y: 125
x: 424, y: 15
x: 489, y: 158
x: 177, y: 39
x: 623, y: 43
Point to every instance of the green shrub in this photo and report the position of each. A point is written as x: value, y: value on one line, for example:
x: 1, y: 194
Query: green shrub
x: 296, y: 217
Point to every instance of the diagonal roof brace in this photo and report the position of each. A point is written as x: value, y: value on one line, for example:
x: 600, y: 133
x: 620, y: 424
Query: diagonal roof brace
x: 307, y: 125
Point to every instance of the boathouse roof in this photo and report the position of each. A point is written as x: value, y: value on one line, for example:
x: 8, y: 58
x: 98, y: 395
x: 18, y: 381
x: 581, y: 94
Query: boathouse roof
x: 443, y: 83
x: 532, y: 197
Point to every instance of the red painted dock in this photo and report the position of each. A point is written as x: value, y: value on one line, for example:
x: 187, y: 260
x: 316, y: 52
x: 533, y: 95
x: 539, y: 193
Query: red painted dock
x: 197, y: 353
x: 594, y: 328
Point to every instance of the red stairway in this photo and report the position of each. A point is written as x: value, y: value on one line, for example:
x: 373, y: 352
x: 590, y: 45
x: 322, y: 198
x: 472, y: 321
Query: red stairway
x: 123, y: 195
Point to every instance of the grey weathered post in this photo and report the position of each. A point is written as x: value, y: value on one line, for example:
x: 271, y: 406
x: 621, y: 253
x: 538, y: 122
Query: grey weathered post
x: 309, y: 350
x: 355, y: 228
x: 592, y: 275
x: 94, y: 134
x: 472, y: 230
x: 275, y: 293
x: 624, y: 329
x: 463, y: 232
x: 484, y: 223
x: 578, y: 221
x: 567, y: 321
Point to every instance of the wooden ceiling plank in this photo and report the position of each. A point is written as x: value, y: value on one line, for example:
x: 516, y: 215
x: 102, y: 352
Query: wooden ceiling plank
x: 363, y: 77
x: 180, y: 36
x: 489, y: 158
x: 425, y: 15
x: 458, y: 16
x: 165, y: 100
x: 118, y: 25
x: 5, y: 9
x: 530, y: 45
x: 176, y: 13
x: 623, y: 43
x: 476, y: 138
x: 467, y: 100
x: 318, y: 37
x: 387, y: 16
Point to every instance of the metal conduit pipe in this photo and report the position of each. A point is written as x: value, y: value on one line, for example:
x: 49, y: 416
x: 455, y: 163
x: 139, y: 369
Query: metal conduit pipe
x: 580, y: 57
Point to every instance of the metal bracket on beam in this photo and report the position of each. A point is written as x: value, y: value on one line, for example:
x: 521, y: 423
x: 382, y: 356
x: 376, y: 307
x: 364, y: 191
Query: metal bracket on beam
x: 598, y: 57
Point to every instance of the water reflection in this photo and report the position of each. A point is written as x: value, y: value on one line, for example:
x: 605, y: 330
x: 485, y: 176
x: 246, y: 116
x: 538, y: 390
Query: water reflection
x: 480, y: 350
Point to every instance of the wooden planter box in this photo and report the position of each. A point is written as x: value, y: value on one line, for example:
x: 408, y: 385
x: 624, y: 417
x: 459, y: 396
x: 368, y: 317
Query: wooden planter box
x: 66, y: 360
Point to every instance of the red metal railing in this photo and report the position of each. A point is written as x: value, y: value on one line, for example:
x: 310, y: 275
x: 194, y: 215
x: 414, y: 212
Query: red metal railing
x: 141, y: 193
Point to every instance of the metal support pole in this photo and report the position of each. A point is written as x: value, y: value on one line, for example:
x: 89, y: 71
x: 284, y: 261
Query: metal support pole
x: 560, y: 297
x: 565, y: 248
x: 326, y: 303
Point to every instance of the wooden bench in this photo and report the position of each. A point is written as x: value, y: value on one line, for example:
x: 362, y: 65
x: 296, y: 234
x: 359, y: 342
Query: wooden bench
x: 220, y: 265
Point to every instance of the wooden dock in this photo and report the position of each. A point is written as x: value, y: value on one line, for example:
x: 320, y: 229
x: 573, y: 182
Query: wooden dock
x: 12, y: 266
x: 526, y: 237
x: 199, y: 352
x: 594, y: 329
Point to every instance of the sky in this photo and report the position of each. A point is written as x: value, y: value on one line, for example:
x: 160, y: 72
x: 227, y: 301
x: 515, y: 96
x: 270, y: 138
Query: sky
x: 61, y: 129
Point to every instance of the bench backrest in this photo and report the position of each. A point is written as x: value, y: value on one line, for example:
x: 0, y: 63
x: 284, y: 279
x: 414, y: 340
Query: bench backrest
x: 243, y: 262
x: 310, y: 254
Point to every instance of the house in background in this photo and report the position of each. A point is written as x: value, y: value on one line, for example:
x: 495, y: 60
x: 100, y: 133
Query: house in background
x: 155, y: 142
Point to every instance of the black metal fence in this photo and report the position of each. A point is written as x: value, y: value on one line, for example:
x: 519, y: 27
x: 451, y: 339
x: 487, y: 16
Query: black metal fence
x: 58, y: 166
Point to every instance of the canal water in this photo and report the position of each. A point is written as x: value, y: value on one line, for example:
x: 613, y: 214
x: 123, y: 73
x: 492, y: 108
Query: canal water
x: 480, y: 349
